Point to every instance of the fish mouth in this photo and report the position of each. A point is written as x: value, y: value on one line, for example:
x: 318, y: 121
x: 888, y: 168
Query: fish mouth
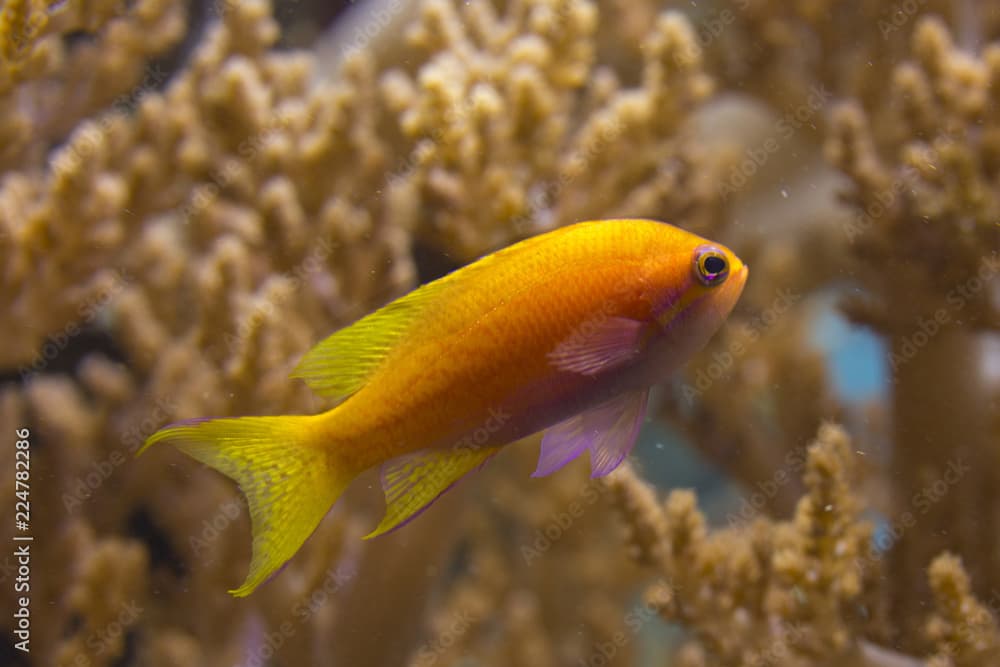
x: 729, y: 292
x: 740, y: 276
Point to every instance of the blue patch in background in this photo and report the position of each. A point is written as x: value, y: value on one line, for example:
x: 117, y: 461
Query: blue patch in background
x: 856, y: 357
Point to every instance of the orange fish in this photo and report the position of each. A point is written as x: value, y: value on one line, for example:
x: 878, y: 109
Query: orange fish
x: 565, y: 331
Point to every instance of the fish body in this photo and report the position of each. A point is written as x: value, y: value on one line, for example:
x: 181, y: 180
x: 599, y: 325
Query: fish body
x: 565, y: 331
x: 484, y: 347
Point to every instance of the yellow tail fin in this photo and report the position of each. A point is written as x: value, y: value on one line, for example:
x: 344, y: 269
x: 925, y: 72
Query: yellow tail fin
x: 281, y: 464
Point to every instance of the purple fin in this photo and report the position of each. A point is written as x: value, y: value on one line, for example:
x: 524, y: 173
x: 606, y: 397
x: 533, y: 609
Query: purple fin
x: 599, y: 345
x: 613, y: 444
x: 609, y: 431
x: 562, y: 443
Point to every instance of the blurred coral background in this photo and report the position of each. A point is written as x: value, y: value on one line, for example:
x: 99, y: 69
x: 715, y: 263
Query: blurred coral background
x: 193, y: 194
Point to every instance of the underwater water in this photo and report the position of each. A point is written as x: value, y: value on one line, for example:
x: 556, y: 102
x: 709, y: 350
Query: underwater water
x: 195, y: 195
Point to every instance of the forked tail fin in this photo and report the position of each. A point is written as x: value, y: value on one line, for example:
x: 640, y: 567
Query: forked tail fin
x: 284, y: 468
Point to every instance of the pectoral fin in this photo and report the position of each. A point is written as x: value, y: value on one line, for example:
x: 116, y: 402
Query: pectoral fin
x: 609, y: 431
x: 599, y: 346
x: 414, y: 481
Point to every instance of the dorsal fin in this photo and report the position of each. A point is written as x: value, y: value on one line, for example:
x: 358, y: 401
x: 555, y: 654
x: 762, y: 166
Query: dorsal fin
x: 341, y: 364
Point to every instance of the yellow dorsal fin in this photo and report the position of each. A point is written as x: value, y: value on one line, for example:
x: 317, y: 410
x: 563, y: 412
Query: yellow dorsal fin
x: 341, y: 364
x: 412, y: 482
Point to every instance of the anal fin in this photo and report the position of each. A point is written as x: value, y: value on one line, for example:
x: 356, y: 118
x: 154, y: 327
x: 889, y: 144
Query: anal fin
x: 413, y: 481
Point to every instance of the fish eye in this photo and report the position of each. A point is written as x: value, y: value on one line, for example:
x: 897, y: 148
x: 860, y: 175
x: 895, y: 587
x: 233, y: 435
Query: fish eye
x: 710, y: 266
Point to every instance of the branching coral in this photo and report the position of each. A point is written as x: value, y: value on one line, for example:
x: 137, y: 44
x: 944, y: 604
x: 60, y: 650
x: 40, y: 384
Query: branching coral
x: 729, y: 398
x: 535, y: 587
x: 925, y: 241
x: 935, y: 173
x: 207, y: 216
x: 798, y: 592
x: 229, y: 220
x: 789, y: 593
x: 108, y: 596
x: 215, y: 242
x: 49, y: 82
x: 964, y: 631
x: 503, y: 147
